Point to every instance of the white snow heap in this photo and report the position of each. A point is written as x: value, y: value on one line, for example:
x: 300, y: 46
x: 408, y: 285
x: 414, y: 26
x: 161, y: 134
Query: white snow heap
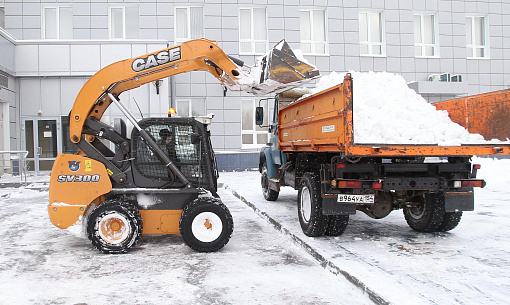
x: 387, y: 111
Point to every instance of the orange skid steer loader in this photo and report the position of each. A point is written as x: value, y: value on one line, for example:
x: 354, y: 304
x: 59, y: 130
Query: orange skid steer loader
x: 161, y: 179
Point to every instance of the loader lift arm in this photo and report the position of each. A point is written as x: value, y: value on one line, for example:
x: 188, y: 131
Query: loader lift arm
x: 201, y: 54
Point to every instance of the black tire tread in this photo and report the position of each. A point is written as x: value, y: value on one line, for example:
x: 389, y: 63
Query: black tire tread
x: 336, y: 225
x: 203, y: 204
x: 450, y: 221
x: 316, y: 227
x: 432, y: 217
x: 269, y: 194
x: 118, y: 205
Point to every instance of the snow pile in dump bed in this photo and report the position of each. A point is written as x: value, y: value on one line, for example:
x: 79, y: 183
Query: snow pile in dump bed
x: 387, y: 111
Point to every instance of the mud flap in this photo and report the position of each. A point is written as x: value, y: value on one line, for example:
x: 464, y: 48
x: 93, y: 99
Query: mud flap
x: 330, y: 206
x: 461, y: 201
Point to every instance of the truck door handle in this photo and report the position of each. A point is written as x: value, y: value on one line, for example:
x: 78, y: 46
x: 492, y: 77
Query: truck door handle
x: 39, y: 151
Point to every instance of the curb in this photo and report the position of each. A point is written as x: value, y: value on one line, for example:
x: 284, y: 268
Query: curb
x: 323, y: 261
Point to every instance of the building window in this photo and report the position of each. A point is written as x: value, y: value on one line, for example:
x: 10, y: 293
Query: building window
x: 189, y: 23
x: 476, y: 37
x: 425, y: 35
x: 252, y: 31
x: 58, y: 23
x: 313, y: 31
x: 123, y: 22
x: 253, y: 136
x: 190, y: 108
x: 371, y: 34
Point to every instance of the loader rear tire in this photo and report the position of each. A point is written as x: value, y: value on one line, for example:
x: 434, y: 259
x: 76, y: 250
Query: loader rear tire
x: 114, y: 226
x: 206, y: 224
x: 428, y: 215
x: 269, y: 194
x: 312, y: 222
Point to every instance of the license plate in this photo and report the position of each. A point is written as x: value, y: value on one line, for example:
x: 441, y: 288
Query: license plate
x: 356, y: 198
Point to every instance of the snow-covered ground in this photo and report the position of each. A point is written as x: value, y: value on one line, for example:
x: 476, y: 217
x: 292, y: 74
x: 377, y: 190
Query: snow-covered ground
x: 468, y: 265
x: 41, y: 264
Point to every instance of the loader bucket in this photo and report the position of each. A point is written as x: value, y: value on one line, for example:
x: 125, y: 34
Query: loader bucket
x: 280, y: 70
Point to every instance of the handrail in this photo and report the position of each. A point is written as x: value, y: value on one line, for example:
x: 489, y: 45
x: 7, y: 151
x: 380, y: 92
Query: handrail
x: 20, y: 155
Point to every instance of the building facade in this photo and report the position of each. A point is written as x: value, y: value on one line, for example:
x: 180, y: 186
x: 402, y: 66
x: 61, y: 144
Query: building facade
x: 48, y: 50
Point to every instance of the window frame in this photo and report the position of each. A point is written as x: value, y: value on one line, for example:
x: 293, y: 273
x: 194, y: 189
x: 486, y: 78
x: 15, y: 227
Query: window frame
x: 368, y: 43
x: 313, y: 42
x: 252, y: 39
x: 254, y: 132
x: 2, y: 15
x: 188, y: 24
x: 471, y: 47
x: 57, y: 21
x: 124, y: 32
x: 422, y: 45
x: 190, y: 103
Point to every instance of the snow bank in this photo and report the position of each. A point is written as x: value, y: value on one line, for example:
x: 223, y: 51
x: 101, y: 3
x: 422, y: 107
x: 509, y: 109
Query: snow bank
x: 387, y: 111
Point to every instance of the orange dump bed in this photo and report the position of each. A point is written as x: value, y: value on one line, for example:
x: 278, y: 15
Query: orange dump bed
x: 323, y: 122
x: 487, y: 114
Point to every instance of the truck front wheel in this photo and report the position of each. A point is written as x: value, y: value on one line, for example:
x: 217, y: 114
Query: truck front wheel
x: 428, y: 214
x: 313, y: 223
x: 269, y: 194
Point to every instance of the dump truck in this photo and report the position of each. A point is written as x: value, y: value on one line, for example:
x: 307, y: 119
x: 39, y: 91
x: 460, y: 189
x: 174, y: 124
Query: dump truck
x: 313, y: 150
x: 162, y: 178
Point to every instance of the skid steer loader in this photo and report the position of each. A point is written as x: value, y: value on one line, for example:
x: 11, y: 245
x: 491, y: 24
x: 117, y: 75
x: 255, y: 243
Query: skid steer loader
x: 161, y: 179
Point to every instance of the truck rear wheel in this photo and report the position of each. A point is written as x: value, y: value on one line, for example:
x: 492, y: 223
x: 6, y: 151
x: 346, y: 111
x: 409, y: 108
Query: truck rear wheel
x: 336, y: 225
x: 428, y: 215
x: 206, y: 224
x: 450, y: 221
x: 114, y: 226
x: 313, y: 223
x: 269, y: 194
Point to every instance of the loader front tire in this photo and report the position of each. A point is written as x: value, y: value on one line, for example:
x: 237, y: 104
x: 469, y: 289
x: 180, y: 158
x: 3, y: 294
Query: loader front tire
x: 428, y: 214
x: 312, y: 222
x: 114, y: 226
x: 206, y: 224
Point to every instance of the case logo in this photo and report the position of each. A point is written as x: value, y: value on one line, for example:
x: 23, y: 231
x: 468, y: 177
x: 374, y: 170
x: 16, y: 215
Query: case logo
x: 155, y: 60
x: 74, y: 166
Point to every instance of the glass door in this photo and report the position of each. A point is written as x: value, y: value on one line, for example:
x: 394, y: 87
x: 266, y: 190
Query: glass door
x: 42, y: 141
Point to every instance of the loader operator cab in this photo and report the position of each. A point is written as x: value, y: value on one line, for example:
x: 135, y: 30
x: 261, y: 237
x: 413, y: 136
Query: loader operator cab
x: 186, y: 142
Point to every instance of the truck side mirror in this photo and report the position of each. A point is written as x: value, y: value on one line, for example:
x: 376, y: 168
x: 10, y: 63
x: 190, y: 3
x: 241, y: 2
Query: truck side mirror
x: 259, y: 116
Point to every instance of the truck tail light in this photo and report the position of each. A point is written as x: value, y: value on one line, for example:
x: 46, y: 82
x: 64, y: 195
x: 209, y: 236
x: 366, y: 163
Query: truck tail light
x: 473, y: 183
x: 477, y: 166
x: 340, y: 165
x: 377, y: 185
x: 349, y: 184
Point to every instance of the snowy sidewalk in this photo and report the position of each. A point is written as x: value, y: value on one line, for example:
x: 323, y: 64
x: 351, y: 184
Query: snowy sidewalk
x: 469, y: 265
x: 42, y: 264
